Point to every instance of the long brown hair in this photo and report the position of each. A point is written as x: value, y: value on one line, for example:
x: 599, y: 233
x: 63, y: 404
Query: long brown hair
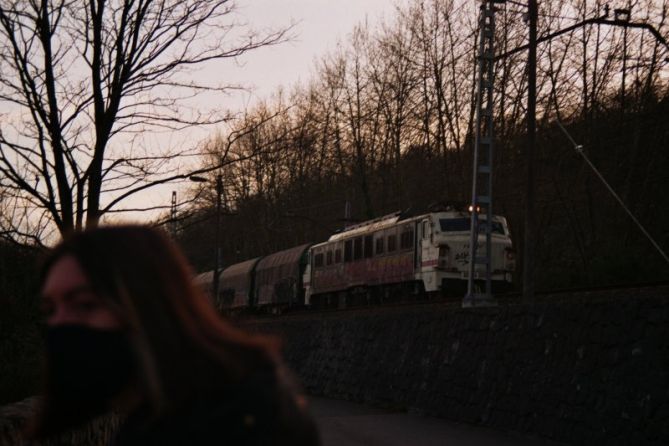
x: 184, y: 348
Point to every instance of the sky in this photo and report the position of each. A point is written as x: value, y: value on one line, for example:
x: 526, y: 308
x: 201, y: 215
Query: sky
x: 318, y: 26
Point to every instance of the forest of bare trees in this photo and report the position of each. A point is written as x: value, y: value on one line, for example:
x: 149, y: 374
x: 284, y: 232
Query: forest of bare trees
x: 87, y: 85
x: 384, y: 123
x: 386, y: 120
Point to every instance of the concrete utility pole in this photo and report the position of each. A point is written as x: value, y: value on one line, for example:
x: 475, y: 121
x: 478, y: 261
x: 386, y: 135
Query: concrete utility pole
x: 529, y: 240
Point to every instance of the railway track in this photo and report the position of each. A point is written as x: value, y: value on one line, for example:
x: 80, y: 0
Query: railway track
x: 638, y: 290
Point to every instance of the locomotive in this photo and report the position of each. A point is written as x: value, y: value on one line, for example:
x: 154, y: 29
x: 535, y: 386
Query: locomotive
x: 386, y: 259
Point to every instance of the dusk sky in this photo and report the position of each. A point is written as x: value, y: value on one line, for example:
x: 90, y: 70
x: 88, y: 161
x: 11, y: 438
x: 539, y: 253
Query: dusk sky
x: 318, y: 26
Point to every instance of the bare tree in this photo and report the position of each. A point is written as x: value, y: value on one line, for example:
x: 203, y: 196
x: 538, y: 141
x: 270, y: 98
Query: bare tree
x: 79, y: 78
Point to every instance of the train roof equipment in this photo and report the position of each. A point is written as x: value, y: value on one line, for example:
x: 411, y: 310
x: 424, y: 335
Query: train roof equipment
x: 367, y: 226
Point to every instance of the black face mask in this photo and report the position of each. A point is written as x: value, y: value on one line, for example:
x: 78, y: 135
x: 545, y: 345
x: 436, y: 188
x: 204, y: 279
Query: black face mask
x: 87, y: 368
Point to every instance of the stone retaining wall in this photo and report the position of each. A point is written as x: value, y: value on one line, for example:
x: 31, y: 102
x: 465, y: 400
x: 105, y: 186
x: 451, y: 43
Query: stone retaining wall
x: 579, y: 371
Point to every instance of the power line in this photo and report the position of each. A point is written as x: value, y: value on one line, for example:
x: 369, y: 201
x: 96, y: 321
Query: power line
x: 516, y: 3
x: 548, y: 16
x: 579, y: 149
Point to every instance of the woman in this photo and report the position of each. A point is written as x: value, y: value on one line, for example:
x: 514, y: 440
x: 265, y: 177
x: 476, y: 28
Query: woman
x: 128, y: 331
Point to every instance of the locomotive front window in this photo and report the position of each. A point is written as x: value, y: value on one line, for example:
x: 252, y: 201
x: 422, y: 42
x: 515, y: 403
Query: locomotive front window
x: 328, y: 258
x: 318, y: 260
x: 497, y: 227
x: 337, y: 255
x: 464, y: 224
x: 454, y: 224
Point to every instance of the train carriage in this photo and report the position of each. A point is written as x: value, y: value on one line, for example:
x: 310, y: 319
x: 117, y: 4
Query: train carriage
x: 278, y: 278
x: 236, y: 284
x: 204, y: 282
x: 390, y: 256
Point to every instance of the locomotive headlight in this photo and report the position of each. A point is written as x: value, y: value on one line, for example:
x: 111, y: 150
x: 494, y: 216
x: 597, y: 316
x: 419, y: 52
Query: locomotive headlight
x: 510, y: 257
x: 510, y: 254
x: 471, y: 209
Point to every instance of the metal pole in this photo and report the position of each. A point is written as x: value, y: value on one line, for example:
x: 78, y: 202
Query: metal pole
x: 482, y: 190
x: 173, y: 214
x: 469, y: 299
x: 529, y: 240
x: 219, y: 193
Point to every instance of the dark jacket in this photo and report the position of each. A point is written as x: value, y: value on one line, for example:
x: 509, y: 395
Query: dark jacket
x: 262, y: 410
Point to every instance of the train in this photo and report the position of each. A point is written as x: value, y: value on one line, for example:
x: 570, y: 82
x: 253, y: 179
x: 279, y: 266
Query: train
x: 390, y: 258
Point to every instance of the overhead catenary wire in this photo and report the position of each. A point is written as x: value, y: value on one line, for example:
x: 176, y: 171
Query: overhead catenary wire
x: 579, y: 149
